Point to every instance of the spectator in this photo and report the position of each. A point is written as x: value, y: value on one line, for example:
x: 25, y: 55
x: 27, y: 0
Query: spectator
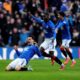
x: 7, y: 5
x: 75, y: 7
x: 78, y: 23
x: 1, y: 42
x: 14, y: 37
x: 41, y: 38
x: 24, y: 35
x: 36, y: 31
x: 19, y: 23
x: 4, y: 32
x: 21, y: 7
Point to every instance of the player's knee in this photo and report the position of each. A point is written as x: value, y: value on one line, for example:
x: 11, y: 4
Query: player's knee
x: 51, y: 53
x: 17, y: 68
x: 61, y: 47
x: 42, y: 49
x: 67, y: 49
x: 8, y: 68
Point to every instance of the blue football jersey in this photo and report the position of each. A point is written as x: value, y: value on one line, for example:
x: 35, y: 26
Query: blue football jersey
x: 28, y: 52
x: 48, y: 27
x: 65, y: 28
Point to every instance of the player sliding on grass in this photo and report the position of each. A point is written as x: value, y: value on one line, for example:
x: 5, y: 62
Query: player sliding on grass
x: 29, y: 51
x: 50, y: 36
x: 66, y: 37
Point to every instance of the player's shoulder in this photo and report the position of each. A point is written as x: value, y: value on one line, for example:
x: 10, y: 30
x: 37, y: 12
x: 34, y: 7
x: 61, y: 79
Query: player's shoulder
x: 51, y: 23
x: 35, y: 47
x: 65, y: 20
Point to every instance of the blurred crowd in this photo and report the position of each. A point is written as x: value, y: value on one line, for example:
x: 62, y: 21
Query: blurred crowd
x: 15, y: 25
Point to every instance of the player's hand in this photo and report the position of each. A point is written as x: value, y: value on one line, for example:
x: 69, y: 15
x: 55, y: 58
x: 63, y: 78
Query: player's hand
x: 16, y: 47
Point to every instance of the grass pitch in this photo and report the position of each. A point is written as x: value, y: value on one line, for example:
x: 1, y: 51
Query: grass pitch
x: 42, y: 70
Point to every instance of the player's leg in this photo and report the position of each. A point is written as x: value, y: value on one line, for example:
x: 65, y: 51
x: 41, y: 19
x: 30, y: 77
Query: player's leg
x: 56, y: 59
x: 71, y: 57
x: 21, y: 64
x: 70, y: 53
x: 53, y: 57
x: 44, y: 53
x: 12, y: 65
x: 44, y: 46
x: 8, y: 68
x: 59, y: 62
x: 63, y: 50
x: 52, y: 47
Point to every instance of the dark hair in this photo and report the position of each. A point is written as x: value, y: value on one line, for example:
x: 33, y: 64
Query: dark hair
x: 32, y: 37
x: 62, y: 14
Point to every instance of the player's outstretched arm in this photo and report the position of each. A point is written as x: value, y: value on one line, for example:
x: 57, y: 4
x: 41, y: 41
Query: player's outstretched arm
x: 16, y: 49
x: 39, y: 20
x: 39, y: 52
x: 59, y: 25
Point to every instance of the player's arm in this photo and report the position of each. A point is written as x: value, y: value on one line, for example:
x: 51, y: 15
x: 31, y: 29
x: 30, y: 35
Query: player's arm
x: 16, y: 49
x: 52, y: 25
x: 39, y: 20
x: 54, y: 35
x: 59, y: 25
x: 38, y: 52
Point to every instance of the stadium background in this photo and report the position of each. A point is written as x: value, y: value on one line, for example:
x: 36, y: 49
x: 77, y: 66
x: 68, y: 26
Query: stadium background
x: 9, y: 53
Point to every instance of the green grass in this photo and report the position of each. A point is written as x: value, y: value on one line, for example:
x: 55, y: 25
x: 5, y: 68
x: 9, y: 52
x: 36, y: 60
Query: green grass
x: 43, y: 70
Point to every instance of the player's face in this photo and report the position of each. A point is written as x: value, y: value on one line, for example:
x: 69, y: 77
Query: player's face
x: 46, y: 18
x: 30, y: 40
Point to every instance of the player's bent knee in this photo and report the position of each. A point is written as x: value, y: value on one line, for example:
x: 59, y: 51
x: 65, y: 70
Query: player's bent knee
x: 51, y: 53
x: 62, y: 47
x: 42, y: 49
x: 17, y: 68
x: 8, y: 68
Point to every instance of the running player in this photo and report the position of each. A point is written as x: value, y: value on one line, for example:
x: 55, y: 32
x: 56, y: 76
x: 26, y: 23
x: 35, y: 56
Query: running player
x: 50, y: 35
x: 66, y: 37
